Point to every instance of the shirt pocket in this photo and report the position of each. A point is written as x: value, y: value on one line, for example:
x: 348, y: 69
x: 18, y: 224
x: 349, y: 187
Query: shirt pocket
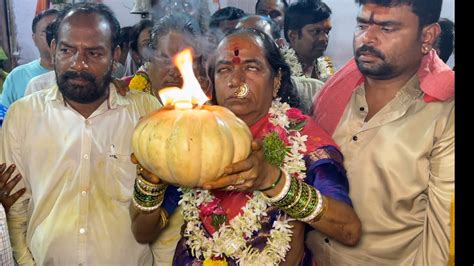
x: 120, y: 174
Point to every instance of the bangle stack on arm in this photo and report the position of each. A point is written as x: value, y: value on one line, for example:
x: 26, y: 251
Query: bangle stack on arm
x: 300, y: 200
x: 148, y: 196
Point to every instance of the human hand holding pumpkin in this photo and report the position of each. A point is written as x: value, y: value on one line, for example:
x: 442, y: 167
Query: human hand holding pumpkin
x: 253, y: 173
x: 149, y: 176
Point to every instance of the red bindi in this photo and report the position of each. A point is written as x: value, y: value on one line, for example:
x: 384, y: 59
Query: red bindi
x: 236, y: 59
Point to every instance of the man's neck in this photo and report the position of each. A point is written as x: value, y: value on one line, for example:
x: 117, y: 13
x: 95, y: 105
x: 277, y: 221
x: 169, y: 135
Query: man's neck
x: 86, y: 109
x: 380, y: 92
x: 46, y: 63
x: 305, y: 62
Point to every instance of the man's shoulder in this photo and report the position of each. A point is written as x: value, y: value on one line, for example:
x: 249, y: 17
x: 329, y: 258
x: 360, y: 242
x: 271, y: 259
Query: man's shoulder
x: 49, y: 76
x: 25, y: 67
x: 142, y: 100
x: 32, y: 101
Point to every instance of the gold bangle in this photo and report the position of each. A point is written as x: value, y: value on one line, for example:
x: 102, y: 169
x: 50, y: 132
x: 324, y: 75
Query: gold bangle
x: 164, y: 218
x: 323, y: 211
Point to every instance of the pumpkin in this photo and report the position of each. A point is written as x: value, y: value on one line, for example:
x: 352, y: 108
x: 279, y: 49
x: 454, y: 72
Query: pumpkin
x: 188, y: 147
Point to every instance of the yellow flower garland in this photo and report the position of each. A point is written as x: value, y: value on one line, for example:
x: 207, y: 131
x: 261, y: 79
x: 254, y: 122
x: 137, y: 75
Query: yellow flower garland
x: 140, y: 82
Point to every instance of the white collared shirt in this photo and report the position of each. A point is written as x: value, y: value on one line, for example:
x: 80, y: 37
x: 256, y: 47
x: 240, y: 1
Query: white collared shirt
x: 79, y: 179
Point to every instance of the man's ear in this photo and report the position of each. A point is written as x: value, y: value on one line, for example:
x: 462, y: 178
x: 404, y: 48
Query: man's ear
x: 34, y: 37
x: 117, y: 53
x: 52, y: 49
x: 292, y: 35
x: 429, y: 35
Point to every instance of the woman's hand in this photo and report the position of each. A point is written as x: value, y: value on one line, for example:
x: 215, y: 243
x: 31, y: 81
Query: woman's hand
x: 149, y: 176
x: 6, y: 186
x: 121, y: 87
x: 253, y: 173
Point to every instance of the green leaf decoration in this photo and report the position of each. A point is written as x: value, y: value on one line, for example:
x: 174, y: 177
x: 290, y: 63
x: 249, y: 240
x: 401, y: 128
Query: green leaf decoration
x: 274, y: 149
x: 217, y: 220
x: 297, y: 125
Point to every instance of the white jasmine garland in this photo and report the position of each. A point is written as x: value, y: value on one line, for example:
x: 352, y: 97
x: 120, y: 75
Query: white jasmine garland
x: 230, y: 239
x: 290, y: 58
x: 323, y: 64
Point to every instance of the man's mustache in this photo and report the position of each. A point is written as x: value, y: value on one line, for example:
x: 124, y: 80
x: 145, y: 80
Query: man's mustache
x: 365, y: 49
x: 74, y: 74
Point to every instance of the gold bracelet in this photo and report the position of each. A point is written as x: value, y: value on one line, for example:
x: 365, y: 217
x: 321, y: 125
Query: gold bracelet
x: 323, y: 211
x: 164, y: 218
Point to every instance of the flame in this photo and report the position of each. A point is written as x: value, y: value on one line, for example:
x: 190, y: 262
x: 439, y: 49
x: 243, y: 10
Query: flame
x: 191, y: 92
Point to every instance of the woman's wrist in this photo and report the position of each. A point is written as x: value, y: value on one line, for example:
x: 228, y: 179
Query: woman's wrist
x: 147, y: 196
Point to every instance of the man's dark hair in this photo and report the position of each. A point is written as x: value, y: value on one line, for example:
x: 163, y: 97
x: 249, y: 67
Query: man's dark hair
x: 287, y: 91
x: 136, y: 30
x: 259, y: 1
x: 225, y: 14
x: 125, y: 35
x: 93, y: 8
x: 428, y: 11
x: 51, y: 31
x: 445, y: 41
x: 302, y: 13
x: 179, y: 22
x: 46, y: 13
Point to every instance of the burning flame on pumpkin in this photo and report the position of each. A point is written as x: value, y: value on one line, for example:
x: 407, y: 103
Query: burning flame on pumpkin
x: 191, y: 93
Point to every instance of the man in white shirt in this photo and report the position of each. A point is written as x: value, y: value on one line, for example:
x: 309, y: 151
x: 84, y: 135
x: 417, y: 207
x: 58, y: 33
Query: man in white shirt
x: 71, y: 143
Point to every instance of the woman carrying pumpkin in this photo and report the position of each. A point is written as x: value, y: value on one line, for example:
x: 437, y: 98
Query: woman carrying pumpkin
x: 293, y: 181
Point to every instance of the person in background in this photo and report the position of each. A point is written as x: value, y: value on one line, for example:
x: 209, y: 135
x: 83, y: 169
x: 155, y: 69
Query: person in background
x: 391, y: 110
x: 15, y: 83
x: 3, y: 72
x: 197, y: 9
x: 119, y: 68
x: 170, y: 35
x: 138, y: 54
x: 71, y: 145
x: 306, y: 29
x: 274, y: 9
x: 140, y: 42
x: 47, y: 79
x: 221, y: 22
x: 226, y: 18
x: 444, y: 45
x: 125, y: 39
x: 262, y: 23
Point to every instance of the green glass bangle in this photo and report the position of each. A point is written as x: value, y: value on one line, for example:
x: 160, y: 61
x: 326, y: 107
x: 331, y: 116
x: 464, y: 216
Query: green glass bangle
x: 274, y: 183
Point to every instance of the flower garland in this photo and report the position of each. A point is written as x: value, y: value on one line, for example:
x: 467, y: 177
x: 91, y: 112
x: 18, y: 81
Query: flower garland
x: 323, y: 64
x: 230, y: 239
x: 140, y: 80
x: 290, y: 58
